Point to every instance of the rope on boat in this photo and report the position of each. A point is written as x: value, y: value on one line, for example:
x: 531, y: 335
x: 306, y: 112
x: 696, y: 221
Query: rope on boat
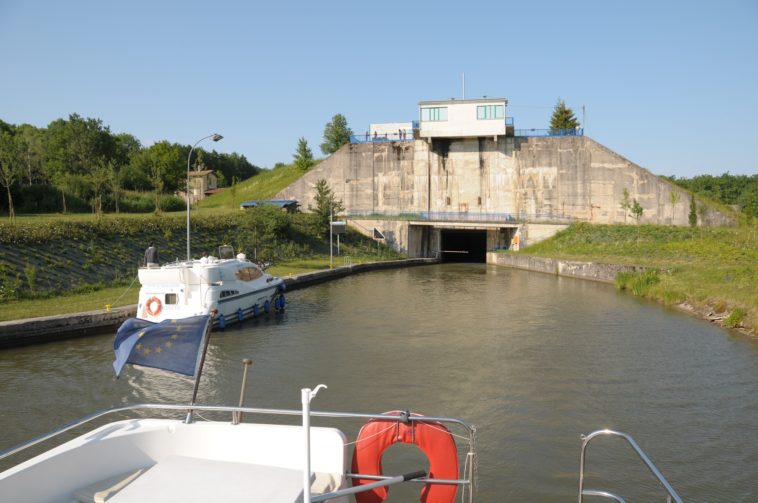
x: 127, y: 289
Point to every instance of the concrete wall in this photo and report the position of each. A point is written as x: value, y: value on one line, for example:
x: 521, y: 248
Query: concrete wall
x: 536, y: 180
x: 605, y: 273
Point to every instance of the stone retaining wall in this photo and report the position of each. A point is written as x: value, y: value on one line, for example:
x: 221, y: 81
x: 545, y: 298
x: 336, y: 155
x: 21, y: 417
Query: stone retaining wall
x: 605, y: 273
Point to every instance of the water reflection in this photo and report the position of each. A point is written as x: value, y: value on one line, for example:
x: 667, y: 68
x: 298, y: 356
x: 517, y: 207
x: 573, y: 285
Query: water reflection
x: 533, y: 360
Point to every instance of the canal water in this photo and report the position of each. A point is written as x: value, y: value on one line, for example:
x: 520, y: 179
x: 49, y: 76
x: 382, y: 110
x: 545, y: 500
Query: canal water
x: 532, y: 360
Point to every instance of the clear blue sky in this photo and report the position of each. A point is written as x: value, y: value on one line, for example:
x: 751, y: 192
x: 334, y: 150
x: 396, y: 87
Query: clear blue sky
x: 671, y: 85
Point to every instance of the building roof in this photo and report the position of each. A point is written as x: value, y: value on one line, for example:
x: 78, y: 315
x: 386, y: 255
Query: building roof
x: 201, y: 173
x: 453, y: 100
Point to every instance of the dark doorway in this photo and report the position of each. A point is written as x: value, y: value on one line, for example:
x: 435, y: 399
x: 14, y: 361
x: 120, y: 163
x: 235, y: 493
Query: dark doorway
x: 463, y: 245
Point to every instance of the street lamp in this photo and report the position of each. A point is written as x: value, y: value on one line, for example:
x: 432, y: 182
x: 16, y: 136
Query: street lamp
x: 215, y: 137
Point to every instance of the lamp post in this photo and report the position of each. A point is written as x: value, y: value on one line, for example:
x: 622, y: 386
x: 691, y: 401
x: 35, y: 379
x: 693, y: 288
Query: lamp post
x: 215, y: 137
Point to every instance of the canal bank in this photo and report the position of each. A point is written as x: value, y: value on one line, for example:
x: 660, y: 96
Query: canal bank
x: 53, y: 328
x: 606, y: 273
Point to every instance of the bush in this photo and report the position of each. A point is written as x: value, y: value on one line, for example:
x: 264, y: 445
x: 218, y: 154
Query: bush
x: 735, y: 318
x: 638, y: 283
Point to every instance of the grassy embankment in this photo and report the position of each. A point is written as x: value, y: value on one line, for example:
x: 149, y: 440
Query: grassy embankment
x: 56, y: 264
x: 713, y: 271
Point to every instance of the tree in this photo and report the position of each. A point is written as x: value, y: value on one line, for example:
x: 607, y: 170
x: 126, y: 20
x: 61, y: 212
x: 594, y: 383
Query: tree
x: 637, y: 211
x: 303, y: 155
x: 674, y: 197
x: 326, y: 205
x: 10, y: 167
x: 626, y: 203
x: 74, y: 147
x: 692, y: 217
x: 563, y: 117
x: 336, y: 134
x: 100, y: 178
x: 115, y: 182
x: 31, y: 150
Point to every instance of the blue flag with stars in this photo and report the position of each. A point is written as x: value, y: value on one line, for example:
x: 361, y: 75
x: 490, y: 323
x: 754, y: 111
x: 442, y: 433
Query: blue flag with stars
x: 173, y: 345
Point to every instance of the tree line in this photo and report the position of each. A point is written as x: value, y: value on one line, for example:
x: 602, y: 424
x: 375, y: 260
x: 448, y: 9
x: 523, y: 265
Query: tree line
x: 740, y: 191
x: 77, y: 164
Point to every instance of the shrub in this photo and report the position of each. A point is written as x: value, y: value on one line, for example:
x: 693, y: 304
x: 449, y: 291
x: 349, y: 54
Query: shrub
x: 638, y: 283
x: 735, y: 318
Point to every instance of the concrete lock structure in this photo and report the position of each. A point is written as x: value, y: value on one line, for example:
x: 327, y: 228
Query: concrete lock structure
x: 464, y: 182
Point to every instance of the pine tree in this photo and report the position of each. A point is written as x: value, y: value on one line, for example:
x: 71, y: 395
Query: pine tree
x: 327, y: 206
x: 336, y: 134
x: 303, y: 155
x: 563, y: 117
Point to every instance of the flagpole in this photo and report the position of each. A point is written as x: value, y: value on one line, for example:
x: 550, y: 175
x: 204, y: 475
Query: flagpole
x: 207, y: 337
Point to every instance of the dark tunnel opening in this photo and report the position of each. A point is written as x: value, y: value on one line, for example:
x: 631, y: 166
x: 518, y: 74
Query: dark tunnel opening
x: 463, y: 245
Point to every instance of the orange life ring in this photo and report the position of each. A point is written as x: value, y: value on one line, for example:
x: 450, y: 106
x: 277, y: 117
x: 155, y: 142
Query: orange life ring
x: 149, y: 306
x: 431, y: 437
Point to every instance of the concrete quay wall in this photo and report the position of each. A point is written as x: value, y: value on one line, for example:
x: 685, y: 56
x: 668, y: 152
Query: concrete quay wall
x: 605, y: 273
x: 66, y: 326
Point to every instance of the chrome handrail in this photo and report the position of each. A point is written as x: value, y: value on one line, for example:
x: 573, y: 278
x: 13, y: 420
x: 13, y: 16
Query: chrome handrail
x: 221, y: 408
x: 650, y: 465
x: 604, y: 494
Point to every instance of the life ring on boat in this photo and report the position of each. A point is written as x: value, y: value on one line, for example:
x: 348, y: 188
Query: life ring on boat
x: 433, y: 438
x: 153, y: 306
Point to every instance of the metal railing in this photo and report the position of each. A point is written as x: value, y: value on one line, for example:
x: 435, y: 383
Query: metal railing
x: 671, y: 493
x: 381, y: 138
x: 549, y: 132
x: 461, y: 216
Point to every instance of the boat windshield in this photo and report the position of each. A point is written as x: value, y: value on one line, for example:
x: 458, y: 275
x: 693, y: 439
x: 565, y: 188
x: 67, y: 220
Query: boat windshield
x: 225, y: 252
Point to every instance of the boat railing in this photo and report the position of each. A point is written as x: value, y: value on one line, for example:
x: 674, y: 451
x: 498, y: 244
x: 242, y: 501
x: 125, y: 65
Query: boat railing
x: 469, y: 471
x: 671, y: 493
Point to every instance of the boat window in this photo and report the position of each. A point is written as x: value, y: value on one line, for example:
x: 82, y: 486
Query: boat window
x: 248, y: 273
x: 171, y: 298
x: 228, y: 293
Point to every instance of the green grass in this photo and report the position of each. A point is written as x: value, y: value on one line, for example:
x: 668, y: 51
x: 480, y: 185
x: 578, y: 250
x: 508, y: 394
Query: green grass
x: 72, y: 303
x: 124, y: 295
x: 714, y: 268
x: 264, y: 185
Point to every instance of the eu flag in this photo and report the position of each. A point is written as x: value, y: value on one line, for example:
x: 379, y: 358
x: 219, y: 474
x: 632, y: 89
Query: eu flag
x: 173, y: 345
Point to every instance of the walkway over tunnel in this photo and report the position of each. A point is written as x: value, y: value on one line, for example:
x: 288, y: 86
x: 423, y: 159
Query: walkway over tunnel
x: 463, y: 245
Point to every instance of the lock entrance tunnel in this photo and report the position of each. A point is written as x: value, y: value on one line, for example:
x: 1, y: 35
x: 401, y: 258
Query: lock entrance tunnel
x: 463, y: 245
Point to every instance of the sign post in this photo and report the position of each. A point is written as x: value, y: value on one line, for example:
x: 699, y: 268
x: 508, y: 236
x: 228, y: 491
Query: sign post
x: 378, y: 236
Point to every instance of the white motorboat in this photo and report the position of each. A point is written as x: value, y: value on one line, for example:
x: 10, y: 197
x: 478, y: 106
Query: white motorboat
x: 184, y: 460
x: 231, y: 287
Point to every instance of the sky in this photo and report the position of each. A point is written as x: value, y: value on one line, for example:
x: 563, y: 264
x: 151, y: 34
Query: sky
x: 671, y: 85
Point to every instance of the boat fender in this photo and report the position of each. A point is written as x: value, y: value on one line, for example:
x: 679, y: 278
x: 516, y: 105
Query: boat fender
x: 276, y: 303
x: 255, y: 309
x: 433, y: 438
x: 267, y: 307
x: 282, y: 301
x: 240, y: 316
x: 153, y: 306
x: 221, y: 322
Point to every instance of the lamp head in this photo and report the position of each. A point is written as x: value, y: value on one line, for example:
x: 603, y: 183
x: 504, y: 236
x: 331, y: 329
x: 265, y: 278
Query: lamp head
x: 216, y: 137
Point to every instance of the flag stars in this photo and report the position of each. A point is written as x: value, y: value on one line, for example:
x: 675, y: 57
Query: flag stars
x: 169, y: 344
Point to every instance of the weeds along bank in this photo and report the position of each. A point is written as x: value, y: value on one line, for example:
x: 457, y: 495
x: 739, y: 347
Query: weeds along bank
x: 44, y: 258
x: 710, y: 271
